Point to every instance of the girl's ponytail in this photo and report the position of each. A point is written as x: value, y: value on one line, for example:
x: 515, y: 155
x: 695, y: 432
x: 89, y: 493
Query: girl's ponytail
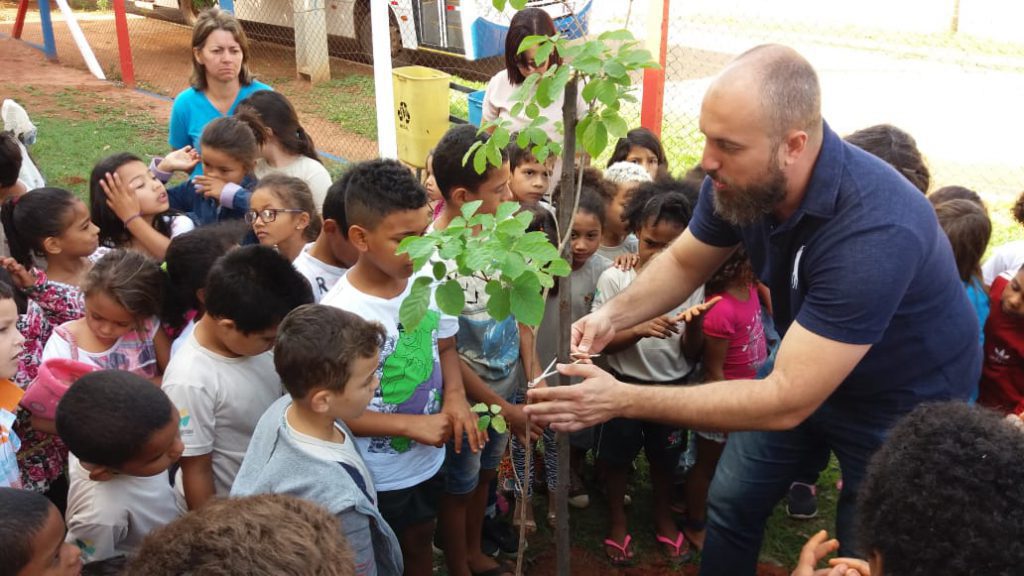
x: 19, y: 250
x: 30, y: 219
x: 306, y: 146
x: 253, y: 121
x: 278, y: 114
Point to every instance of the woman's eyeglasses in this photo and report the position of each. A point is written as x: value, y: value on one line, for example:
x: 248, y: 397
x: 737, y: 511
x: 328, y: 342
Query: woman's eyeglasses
x: 268, y: 215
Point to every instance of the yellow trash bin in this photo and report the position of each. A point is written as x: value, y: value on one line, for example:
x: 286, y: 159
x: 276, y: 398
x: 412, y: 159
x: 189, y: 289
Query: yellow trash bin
x: 421, y: 111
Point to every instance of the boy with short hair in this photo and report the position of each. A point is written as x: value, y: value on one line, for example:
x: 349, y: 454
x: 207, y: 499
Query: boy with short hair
x: 265, y: 534
x: 222, y: 378
x: 529, y: 179
x: 327, y: 259
x: 122, y: 433
x: 405, y: 428
x: 490, y: 354
x: 32, y: 532
x: 327, y: 359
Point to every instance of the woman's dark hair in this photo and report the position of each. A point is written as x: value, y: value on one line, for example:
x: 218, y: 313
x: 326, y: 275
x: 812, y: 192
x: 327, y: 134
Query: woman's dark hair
x: 25, y: 514
x: 651, y: 204
x: 190, y: 256
x: 527, y: 22
x: 294, y: 194
x: 594, y: 180
x: 641, y: 138
x: 32, y: 218
x: 946, y: 464
x: 947, y: 193
x: 239, y: 136
x: 897, y: 148
x: 112, y: 230
x: 129, y: 278
x: 278, y: 114
x: 208, y: 22
x: 969, y: 229
x: 736, y: 267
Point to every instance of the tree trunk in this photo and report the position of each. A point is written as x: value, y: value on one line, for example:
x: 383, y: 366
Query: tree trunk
x: 566, y: 203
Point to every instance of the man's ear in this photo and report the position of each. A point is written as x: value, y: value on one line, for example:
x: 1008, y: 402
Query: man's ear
x: 794, y: 146
x: 357, y: 236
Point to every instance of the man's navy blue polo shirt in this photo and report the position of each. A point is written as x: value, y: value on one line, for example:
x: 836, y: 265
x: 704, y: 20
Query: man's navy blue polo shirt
x: 863, y: 261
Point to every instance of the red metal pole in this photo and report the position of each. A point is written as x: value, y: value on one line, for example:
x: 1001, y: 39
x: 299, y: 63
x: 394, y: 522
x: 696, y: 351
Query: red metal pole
x: 124, y: 47
x: 19, y: 20
x: 652, y: 107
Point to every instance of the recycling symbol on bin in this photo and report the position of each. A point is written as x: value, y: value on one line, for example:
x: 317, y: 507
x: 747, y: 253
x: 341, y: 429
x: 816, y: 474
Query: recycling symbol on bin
x: 403, y: 114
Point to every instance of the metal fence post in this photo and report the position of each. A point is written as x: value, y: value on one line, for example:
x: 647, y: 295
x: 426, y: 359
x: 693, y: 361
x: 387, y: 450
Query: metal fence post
x: 387, y: 138
x: 46, y: 22
x: 654, y: 79
x: 124, y: 47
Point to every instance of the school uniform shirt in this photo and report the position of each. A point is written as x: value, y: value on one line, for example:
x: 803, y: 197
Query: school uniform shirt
x: 629, y: 246
x: 1002, y: 375
x: 584, y: 284
x: 304, y: 168
x: 220, y: 400
x: 111, y: 518
x: 410, y: 382
x: 650, y: 359
x: 321, y: 275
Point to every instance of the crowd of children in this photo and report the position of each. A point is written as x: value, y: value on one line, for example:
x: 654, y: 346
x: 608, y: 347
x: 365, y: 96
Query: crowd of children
x: 239, y: 335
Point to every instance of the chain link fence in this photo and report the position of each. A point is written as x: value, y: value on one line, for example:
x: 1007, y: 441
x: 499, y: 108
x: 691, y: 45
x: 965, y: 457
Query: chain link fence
x: 949, y: 72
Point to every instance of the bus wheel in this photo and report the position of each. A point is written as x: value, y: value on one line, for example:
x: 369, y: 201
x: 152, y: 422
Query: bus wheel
x: 366, y: 36
x: 190, y: 9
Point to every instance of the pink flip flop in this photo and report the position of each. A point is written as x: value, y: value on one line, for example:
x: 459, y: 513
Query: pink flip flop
x: 680, y: 548
x: 626, y: 558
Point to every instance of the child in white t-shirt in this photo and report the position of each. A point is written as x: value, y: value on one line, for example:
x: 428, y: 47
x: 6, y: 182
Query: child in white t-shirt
x: 662, y: 351
x: 327, y: 259
x: 123, y: 436
x: 222, y: 378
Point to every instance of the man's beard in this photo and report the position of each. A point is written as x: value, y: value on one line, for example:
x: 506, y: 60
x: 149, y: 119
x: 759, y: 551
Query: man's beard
x: 741, y: 206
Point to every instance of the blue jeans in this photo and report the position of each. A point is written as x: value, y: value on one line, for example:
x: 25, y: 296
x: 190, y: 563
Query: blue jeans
x: 757, y: 468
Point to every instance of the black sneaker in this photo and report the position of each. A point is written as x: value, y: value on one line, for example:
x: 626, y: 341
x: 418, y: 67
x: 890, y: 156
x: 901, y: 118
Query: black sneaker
x: 802, y: 501
x: 489, y: 546
x: 501, y: 534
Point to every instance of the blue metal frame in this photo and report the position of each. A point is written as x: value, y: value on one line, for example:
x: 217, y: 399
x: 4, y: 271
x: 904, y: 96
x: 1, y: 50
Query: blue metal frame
x: 49, y: 44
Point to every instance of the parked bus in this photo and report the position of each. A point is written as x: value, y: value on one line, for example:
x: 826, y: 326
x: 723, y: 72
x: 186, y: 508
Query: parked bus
x: 471, y: 29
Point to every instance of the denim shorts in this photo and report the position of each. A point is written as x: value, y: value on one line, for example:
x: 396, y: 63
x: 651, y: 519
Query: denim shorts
x: 462, y: 471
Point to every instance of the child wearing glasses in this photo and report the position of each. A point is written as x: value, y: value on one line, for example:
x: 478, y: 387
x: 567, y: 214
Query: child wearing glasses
x: 282, y: 214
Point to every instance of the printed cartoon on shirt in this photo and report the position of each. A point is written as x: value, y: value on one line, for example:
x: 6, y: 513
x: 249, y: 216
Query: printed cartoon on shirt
x: 410, y: 379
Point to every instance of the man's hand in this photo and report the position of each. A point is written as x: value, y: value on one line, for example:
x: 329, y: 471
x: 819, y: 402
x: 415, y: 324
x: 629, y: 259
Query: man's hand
x: 661, y: 327
x: 591, y: 333
x: 816, y: 549
x: 209, y: 187
x: 516, y: 419
x: 463, y: 421
x: 569, y: 408
x: 432, y: 430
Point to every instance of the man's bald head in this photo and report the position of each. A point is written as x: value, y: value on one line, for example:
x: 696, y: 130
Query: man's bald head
x: 789, y: 91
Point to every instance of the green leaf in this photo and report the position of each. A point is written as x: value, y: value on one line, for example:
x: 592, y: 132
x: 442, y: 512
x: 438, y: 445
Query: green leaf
x: 538, y: 136
x: 530, y: 42
x: 589, y: 65
x: 615, y: 68
x: 607, y: 93
x: 470, y: 208
x: 480, y: 161
x: 495, y: 409
x: 517, y: 109
x: 556, y: 149
x: 465, y: 157
x: 532, y: 110
x: 527, y: 302
x: 526, y: 218
x: 590, y: 90
x: 546, y: 281
x: 594, y: 137
x: 559, y: 267
x: 506, y: 210
x: 523, y: 139
x: 535, y: 245
x: 500, y: 137
x: 511, y: 227
x: 452, y: 248
x: 415, y: 305
x: 559, y: 79
x: 499, y: 424
x: 419, y: 248
x: 450, y: 297
x: 483, y: 422
x: 498, y: 302
x: 617, y: 127
x: 493, y: 154
x: 615, y: 35
x: 518, y: 4
x: 543, y: 93
x: 634, y: 58
x: 480, y: 258
x: 440, y: 270
x: 479, y: 408
x: 541, y: 153
x: 543, y: 53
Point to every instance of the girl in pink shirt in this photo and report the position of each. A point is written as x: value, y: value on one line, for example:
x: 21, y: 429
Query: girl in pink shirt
x: 734, y: 348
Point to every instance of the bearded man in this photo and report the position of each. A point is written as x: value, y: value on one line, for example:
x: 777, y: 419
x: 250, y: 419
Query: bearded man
x: 864, y: 289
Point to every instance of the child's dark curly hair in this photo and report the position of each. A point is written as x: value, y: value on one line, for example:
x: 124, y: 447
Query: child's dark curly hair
x: 658, y: 202
x: 945, y: 494
x: 736, y: 269
x: 1018, y: 209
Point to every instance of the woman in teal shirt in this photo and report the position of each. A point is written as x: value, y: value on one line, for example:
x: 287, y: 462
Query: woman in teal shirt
x: 220, y: 78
